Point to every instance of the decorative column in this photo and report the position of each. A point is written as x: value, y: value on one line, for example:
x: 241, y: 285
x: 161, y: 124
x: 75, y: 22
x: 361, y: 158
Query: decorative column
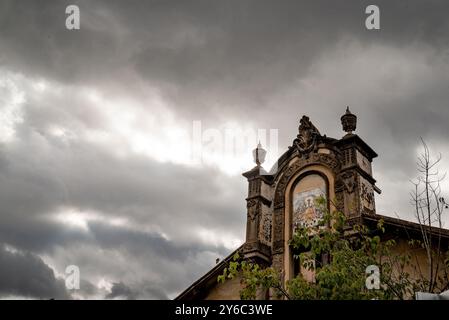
x: 355, y: 184
x: 258, y: 225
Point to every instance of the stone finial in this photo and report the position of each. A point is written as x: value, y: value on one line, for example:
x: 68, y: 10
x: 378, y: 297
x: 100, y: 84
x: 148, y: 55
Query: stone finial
x: 259, y: 154
x: 349, y: 121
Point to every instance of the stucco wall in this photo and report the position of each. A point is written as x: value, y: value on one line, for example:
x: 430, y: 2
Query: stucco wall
x: 418, y: 268
x: 229, y: 290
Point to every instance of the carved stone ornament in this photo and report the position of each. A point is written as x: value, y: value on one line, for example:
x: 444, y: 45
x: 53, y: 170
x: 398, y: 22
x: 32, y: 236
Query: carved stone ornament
x: 349, y: 181
x: 253, y: 209
x: 307, y: 136
x: 367, y: 194
x: 349, y: 121
x: 278, y: 230
x: 251, y: 203
x: 266, y: 229
x: 252, y: 214
x: 339, y: 188
x: 339, y: 185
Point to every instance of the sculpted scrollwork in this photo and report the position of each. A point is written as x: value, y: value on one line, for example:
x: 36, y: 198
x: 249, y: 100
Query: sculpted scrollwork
x: 266, y: 229
x: 278, y: 230
x: 367, y: 195
x: 339, y: 194
x: 251, y: 203
x: 253, y: 209
x: 349, y: 181
x: 307, y: 136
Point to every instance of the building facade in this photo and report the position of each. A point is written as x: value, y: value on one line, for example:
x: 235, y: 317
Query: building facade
x: 339, y: 170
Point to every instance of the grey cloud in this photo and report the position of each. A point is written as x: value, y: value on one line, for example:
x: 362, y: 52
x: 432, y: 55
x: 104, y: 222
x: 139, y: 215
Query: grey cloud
x: 135, y: 188
x: 87, y: 289
x: 245, y: 51
x: 119, y: 290
x: 266, y: 62
x: 26, y: 275
x: 135, y: 242
x: 146, y: 263
x: 122, y: 291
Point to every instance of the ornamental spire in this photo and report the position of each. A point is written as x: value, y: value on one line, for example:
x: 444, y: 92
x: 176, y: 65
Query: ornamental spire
x: 259, y: 154
x: 348, y: 121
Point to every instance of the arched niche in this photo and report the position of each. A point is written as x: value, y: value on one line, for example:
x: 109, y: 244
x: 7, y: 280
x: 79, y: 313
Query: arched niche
x: 304, y: 192
x: 327, y: 165
x: 304, y: 184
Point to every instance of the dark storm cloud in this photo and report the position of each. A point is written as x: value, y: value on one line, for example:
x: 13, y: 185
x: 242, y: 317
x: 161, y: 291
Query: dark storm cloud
x: 36, y: 30
x: 87, y: 289
x: 119, y: 289
x: 26, y: 275
x: 198, y: 52
x: 135, y: 242
x: 72, y: 174
x: 137, y: 188
x: 33, y: 189
x: 263, y: 61
x: 122, y: 291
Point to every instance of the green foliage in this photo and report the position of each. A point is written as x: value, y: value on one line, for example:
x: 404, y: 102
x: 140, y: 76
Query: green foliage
x: 337, y: 256
x: 253, y: 276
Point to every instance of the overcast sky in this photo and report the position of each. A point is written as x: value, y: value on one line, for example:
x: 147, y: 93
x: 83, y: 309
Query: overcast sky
x: 96, y: 125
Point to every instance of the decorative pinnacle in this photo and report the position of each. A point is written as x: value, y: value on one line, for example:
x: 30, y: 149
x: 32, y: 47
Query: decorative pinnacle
x: 348, y: 121
x: 259, y: 154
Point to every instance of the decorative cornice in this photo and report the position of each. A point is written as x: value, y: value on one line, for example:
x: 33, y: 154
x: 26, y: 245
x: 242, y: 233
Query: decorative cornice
x: 256, y: 249
x: 250, y: 201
